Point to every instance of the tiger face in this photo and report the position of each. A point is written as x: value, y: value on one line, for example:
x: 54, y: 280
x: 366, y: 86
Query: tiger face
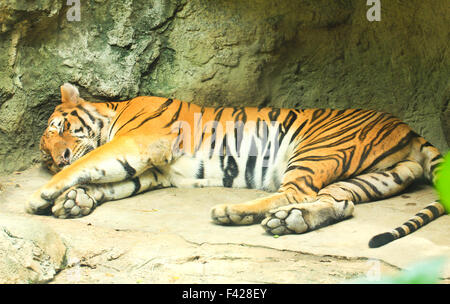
x: 70, y: 134
x: 65, y: 140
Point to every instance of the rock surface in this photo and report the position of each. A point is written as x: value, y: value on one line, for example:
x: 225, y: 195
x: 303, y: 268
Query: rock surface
x: 167, y: 236
x: 255, y: 53
x: 30, y: 251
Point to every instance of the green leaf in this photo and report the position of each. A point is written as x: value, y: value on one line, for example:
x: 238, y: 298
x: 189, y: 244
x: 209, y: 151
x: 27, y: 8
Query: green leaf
x: 443, y: 183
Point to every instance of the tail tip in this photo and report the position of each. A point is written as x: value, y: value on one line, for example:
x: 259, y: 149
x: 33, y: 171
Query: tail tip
x: 381, y: 239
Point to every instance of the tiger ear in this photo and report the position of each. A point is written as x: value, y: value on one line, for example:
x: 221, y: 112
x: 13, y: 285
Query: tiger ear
x: 70, y: 94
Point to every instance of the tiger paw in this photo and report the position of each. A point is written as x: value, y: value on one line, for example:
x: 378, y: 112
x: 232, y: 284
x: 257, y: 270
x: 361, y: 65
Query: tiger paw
x: 75, y: 202
x: 231, y: 215
x: 285, y: 220
x: 38, y: 205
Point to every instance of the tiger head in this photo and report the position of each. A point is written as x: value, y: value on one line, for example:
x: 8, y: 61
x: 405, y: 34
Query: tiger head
x: 72, y: 131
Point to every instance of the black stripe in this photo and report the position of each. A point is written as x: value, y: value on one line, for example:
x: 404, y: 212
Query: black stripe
x: 166, y: 104
x: 213, y: 138
x: 92, y: 118
x: 137, y: 185
x: 374, y: 189
x: 157, y: 170
x: 369, y: 127
x: 424, y: 217
x: 241, y: 116
x: 436, y: 158
x: 141, y: 112
x: 295, y: 185
x: 219, y: 114
x: 356, y: 198
x: 399, y: 146
x: 266, y: 156
x: 175, y: 116
x: 238, y: 136
x: 130, y: 171
x: 388, y: 129
x: 155, y: 176
x: 117, y: 118
x: 317, y: 125
x: 153, y: 116
x: 230, y: 172
x: 416, y: 222
x: 342, y: 140
x: 273, y: 114
x: 400, y: 231
x: 316, y: 114
x: 397, y: 178
x: 74, y: 113
x: 162, y: 108
x: 299, y: 168
x: 298, y: 130
x: 433, y: 210
x: 250, y: 171
x: 263, y: 174
x: 360, y: 186
x: 309, y: 182
x: 200, y: 171
x: 411, y: 227
x: 427, y: 144
x: 287, y: 124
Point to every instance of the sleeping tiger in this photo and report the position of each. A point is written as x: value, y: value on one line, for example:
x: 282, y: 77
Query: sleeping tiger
x: 318, y: 163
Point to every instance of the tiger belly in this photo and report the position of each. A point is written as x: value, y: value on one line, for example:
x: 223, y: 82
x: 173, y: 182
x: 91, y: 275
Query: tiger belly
x: 256, y: 166
x: 232, y: 172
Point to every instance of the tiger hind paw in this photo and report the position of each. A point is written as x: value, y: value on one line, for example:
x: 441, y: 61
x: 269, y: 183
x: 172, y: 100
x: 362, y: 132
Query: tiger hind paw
x: 284, y: 220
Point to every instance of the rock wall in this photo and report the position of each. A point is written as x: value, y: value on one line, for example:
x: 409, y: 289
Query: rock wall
x: 304, y: 53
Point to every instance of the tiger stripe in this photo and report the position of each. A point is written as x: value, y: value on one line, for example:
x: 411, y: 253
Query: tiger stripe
x: 423, y: 217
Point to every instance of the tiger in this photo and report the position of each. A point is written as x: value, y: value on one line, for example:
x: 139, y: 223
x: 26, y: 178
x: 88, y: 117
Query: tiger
x: 315, y: 164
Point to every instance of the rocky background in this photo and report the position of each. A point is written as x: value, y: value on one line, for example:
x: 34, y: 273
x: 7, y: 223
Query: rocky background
x: 304, y: 53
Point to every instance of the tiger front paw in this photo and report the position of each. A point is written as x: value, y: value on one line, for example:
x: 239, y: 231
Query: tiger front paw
x: 37, y: 205
x: 233, y: 215
x: 75, y: 202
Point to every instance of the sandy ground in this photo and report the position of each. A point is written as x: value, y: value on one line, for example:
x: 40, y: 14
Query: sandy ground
x: 166, y: 236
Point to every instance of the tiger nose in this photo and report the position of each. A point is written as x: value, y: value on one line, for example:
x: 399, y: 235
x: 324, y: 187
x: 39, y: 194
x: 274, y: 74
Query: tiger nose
x: 65, y: 158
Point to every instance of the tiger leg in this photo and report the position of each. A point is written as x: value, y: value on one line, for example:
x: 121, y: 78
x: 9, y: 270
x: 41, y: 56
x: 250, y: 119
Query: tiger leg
x: 335, y: 202
x: 123, y: 158
x: 254, y: 211
x: 251, y: 212
x: 81, y: 200
x: 297, y: 187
